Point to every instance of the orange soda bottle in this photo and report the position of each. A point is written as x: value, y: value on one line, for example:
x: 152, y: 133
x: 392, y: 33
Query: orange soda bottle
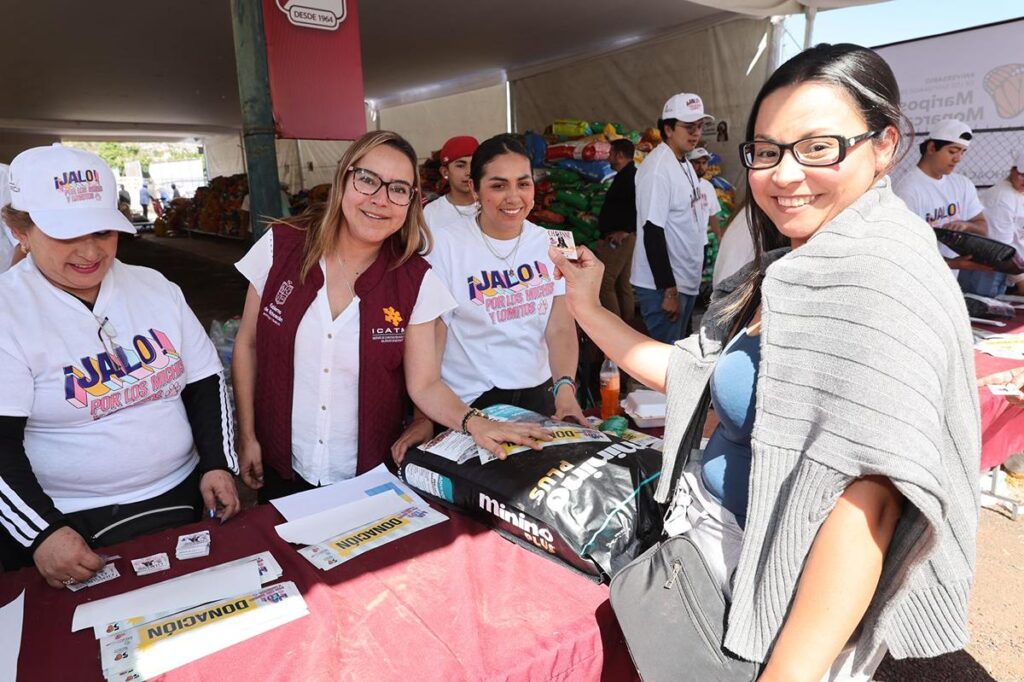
x: 610, y: 383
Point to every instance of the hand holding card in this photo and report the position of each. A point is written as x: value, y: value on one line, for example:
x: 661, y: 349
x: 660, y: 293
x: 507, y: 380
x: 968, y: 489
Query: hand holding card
x: 564, y: 242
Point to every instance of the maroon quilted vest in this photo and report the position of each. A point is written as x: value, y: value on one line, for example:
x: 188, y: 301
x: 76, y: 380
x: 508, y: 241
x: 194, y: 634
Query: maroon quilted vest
x: 386, y: 298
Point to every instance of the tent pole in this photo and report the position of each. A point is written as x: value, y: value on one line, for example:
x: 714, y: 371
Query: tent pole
x: 776, y: 34
x: 302, y: 167
x: 257, y: 113
x: 810, y: 13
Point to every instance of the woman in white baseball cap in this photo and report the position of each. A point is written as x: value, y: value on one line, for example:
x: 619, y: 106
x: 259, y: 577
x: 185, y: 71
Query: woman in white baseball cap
x: 96, y: 358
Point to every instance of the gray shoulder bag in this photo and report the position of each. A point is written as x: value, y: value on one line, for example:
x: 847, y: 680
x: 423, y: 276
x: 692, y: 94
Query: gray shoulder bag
x: 673, y: 615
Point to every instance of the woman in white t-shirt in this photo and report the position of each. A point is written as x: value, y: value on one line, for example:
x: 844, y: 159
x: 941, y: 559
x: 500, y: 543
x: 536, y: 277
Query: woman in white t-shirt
x: 114, y: 418
x: 511, y: 332
x: 330, y: 318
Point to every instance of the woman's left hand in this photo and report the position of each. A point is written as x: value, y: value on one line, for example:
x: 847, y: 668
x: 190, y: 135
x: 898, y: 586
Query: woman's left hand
x: 219, y: 494
x: 420, y: 431
x: 566, y: 406
x: 1011, y: 377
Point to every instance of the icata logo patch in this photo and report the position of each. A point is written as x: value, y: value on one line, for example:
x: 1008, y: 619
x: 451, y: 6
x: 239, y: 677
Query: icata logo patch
x: 392, y: 316
x: 283, y: 292
x: 326, y: 15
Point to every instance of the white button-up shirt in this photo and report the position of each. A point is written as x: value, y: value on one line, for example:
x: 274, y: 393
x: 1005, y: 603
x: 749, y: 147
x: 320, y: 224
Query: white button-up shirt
x: 325, y: 395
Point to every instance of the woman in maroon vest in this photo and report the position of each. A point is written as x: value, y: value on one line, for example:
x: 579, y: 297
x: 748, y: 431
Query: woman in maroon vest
x: 318, y: 360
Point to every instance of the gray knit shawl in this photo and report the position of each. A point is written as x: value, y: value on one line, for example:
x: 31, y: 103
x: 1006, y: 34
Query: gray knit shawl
x: 867, y: 368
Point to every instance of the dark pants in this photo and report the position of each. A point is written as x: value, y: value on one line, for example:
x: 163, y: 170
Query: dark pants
x: 275, y: 486
x: 659, y: 327
x: 145, y: 211
x: 989, y: 284
x: 538, y: 399
x: 116, y: 523
x: 616, y: 291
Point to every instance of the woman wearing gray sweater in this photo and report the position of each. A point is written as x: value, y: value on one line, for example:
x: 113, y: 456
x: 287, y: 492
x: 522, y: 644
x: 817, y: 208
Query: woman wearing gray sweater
x: 837, y: 500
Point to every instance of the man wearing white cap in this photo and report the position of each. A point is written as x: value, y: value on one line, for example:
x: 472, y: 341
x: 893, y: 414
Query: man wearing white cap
x: 699, y: 159
x: 114, y: 418
x: 671, y: 222
x: 933, y: 191
x: 1004, y: 209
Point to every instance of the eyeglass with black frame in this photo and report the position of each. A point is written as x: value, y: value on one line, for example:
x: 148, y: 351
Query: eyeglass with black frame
x: 369, y: 183
x: 818, y: 150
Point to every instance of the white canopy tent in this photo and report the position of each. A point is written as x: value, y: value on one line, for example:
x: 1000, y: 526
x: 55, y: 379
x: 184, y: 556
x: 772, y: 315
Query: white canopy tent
x: 128, y: 70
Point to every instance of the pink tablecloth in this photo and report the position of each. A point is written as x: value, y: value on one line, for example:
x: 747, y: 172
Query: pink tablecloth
x: 452, y: 602
x: 1002, y: 425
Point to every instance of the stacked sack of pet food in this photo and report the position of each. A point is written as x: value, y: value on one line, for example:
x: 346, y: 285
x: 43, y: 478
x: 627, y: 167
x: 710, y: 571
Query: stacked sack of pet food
x: 572, y: 173
x: 726, y: 194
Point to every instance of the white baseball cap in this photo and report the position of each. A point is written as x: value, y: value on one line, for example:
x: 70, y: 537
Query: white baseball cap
x: 952, y: 130
x: 1018, y: 160
x: 67, y: 192
x: 686, y: 107
x: 698, y: 153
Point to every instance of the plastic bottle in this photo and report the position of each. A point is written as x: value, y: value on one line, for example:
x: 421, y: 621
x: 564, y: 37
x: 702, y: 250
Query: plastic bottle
x: 609, y: 389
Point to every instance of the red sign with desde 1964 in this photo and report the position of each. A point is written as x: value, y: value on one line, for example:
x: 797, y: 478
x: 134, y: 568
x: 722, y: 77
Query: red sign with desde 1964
x: 316, y: 68
x: 322, y: 14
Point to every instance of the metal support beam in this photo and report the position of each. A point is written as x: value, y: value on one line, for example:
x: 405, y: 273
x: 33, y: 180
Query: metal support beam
x: 776, y: 34
x: 810, y: 12
x: 257, y: 113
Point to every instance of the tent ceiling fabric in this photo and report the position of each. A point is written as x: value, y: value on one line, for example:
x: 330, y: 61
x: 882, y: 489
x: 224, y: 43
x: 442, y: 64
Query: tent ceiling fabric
x: 129, y: 69
x: 721, y: 63
x: 767, y: 8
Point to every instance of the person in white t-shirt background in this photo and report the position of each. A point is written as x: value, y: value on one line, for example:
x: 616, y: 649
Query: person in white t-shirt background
x: 95, y: 358
x: 511, y: 339
x: 737, y: 246
x: 460, y: 200
x: 671, y: 223
x: 1004, y: 210
x: 699, y: 159
x: 8, y: 244
x: 942, y: 197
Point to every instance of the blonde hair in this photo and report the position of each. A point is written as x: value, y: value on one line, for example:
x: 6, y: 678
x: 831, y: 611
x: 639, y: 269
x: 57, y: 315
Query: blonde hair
x: 322, y: 222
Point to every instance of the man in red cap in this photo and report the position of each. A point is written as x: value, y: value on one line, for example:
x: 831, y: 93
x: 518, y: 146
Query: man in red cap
x: 460, y: 201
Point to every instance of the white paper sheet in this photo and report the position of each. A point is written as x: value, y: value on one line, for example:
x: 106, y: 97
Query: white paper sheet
x: 170, y: 595
x: 266, y: 564
x: 373, y: 482
x: 11, y: 618
x: 310, y: 530
x: 169, y: 643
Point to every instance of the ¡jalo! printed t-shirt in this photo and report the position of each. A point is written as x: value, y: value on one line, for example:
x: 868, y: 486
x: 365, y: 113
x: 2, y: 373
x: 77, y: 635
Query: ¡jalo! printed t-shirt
x: 106, y: 424
x: 496, y: 334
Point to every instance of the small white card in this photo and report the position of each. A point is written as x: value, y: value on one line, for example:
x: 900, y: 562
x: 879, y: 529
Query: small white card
x: 193, y: 545
x: 563, y: 241
x: 1007, y: 389
x: 108, y: 572
x: 151, y: 564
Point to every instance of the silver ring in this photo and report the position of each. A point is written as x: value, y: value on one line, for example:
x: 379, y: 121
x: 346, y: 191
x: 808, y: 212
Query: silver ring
x: 67, y: 581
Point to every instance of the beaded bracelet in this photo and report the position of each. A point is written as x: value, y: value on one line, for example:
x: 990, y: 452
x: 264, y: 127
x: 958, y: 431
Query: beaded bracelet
x: 473, y: 412
x: 560, y: 382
